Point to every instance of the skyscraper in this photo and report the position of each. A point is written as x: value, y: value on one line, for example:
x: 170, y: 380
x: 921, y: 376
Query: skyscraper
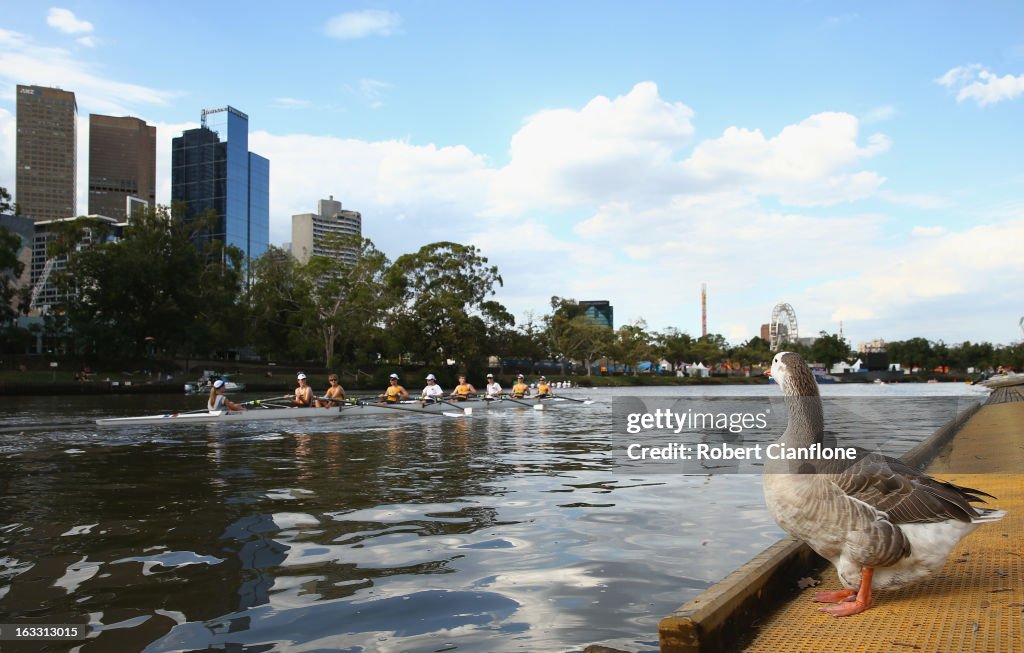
x: 45, y: 152
x: 312, y: 232
x: 600, y: 313
x: 122, y: 164
x: 212, y: 168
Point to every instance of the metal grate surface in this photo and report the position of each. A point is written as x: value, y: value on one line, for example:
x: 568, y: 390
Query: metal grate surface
x: 975, y: 604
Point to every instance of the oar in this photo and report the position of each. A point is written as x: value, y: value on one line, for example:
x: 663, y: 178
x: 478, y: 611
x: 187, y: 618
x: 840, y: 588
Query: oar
x: 257, y: 402
x: 465, y: 410
x: 421, y: 412
x: 579, y: 401
x: 537, y: 406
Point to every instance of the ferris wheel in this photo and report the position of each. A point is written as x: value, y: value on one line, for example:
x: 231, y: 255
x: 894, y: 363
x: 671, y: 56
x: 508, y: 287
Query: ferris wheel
x: 783, y: 327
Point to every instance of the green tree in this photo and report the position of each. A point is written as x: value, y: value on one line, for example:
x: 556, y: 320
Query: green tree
x: 279, y: 300
x: 915, y: 352
x: 753, y: 352
x: 150, y: 286
x: 829, y: 349
x: 632, y: 344
x: 443, y: 287
x: 674, y: 345
x: 347, y: 301
x: 572, y: 336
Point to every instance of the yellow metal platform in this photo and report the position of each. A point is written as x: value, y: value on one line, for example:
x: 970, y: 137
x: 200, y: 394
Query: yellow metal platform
x: 975, y: 604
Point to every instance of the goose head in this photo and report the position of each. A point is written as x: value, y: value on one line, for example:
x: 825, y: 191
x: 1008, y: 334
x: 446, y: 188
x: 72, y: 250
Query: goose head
x: 793, y: 375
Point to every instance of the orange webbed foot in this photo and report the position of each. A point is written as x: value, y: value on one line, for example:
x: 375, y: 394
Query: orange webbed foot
x: 846, y: 608
x: 834, y: 597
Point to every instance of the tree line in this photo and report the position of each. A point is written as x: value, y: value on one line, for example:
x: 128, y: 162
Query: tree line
x: 154, y: 291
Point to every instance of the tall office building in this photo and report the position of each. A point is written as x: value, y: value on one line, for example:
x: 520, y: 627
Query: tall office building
x: 600, y: 313
x: 122, y: 165
x: 212, y: 168
x: 45, y: 152
x: 312, y: 232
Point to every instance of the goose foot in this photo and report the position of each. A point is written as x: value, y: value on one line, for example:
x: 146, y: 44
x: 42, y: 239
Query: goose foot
x: 853, y: 604
x: 834, y: 597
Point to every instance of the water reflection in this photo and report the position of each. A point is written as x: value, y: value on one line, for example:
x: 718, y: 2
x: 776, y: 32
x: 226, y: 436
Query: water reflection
x: 496, y: 532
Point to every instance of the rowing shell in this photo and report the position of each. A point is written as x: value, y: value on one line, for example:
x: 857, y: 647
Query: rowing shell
x: 455, y: 409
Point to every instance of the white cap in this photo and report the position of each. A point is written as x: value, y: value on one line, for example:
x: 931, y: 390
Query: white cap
x: 393, y: 376
x: 301, y: 376
x: 430, y: 377
x: 490, y: 376
x: 520, y: 377
x: 219, y: 383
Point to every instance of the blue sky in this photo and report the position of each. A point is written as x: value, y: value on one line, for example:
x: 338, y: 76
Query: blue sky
x: 861, y: 161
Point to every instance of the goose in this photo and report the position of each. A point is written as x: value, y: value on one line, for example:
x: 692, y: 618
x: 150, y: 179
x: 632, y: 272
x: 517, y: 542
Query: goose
x: 880, y: 522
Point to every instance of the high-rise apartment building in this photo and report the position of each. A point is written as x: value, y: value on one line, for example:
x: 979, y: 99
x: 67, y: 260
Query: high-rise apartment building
x: 316, y: 234
x: 212, y: 168
x: 122, y: 165
x: 45, y: 152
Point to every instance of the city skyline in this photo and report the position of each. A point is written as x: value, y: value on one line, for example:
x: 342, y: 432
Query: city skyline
x: 627, y: 154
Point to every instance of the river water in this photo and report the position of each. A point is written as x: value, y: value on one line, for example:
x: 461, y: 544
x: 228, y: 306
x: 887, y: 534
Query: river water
x: 512, y: 531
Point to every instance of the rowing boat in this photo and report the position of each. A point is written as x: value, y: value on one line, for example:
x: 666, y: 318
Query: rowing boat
x: 360, y: 409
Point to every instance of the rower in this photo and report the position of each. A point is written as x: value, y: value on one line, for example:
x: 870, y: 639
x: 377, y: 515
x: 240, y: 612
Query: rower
x: 520, y: 389
x: 432, y: 392
x: 334, y: 395
x: 218, y: 401
x: 394, y: 392
x: 543, y: 388
x: 493, y: 389
x: 464, y: 390
x: 303, y: 393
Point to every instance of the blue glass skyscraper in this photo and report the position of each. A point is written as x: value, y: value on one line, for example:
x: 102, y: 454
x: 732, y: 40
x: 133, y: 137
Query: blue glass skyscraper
x: 212, y: 168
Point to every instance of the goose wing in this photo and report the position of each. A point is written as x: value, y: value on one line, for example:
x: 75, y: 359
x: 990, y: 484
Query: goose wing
x: 905, y: 495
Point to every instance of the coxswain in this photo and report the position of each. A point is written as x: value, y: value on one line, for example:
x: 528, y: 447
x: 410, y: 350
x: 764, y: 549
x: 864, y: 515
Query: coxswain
x: 218, y: 401
x: 493, y: 389
x: 432, y: 392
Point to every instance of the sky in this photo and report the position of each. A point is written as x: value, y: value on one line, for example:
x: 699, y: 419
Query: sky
x: 861, y: 161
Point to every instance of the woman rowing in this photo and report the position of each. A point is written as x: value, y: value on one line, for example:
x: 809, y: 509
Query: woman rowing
x: 520, y: 390
x: 303, y: 393
x: 464, y: 390
x: 334, y: 395
x: 543, y: 388
x: 218, y: 401
x: 394, y: 392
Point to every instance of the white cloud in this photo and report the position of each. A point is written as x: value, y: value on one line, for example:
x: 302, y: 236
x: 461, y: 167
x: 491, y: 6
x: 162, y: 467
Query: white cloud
x: 609, y: 148
x: 23, y: 59
x: 86, y: 41
x: 804, y: 165
x: 950, y: 273
x: 927, y: 232
x: 373, y: 91
x: 915, y: 200
x: 878, y: 114
x: 65, y: 21
x: 291, y: 103
x: 360, y: 24
x: 975, y: 82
